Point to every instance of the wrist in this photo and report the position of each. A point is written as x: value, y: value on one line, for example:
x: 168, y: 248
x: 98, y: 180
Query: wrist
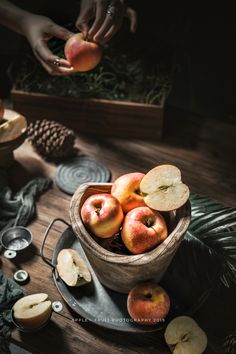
x: 25, y: 23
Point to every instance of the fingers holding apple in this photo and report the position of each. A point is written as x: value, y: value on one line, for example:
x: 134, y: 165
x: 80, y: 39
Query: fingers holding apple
x: 102, y: 215
x: 148, y: 303
x: 82, y: 54
x: 143, y: 229
x: 126, y: 189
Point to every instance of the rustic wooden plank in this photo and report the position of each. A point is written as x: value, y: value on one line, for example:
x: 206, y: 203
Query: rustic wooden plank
x: 208, y: 166
x: 94, y: 116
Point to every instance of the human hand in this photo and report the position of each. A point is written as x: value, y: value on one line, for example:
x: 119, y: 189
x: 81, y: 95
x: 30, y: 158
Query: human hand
x: 106, y: 17
x: 38, y: 30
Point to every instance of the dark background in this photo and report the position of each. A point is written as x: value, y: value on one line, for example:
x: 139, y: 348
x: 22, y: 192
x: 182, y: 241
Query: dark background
x: 199, y: 43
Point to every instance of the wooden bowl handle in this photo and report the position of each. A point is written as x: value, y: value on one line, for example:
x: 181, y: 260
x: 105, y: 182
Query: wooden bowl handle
x: 1, y: 109
x: 46, y: 260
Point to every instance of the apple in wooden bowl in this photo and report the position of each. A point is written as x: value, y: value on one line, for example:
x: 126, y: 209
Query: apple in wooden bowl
x: 121, y: 272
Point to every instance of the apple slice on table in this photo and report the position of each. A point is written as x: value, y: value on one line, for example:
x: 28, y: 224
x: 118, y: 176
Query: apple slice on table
x: 184, y: 336
x: 163, y: 189
x: 72, y: 268
x: 32, y: 311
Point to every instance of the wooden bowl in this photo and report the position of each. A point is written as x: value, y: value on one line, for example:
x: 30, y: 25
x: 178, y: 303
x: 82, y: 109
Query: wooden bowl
x: 122, y: 272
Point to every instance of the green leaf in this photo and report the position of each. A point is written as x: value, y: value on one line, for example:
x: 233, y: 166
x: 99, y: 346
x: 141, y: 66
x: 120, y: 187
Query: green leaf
x: 206, y: 257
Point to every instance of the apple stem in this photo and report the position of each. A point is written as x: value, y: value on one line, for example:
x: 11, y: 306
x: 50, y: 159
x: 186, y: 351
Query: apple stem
x: 149, y: 222
x: 98, y: 211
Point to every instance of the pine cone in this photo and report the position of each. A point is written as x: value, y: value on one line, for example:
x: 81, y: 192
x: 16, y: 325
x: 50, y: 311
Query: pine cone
x: 50, y: 139
x: 229, y: 344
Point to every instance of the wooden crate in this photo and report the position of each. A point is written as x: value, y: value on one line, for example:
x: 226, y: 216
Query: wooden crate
x: 94, y: 116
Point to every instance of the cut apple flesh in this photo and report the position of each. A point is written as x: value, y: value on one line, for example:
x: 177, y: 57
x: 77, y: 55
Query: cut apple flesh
x: 12, y: 126
x: 163, y: 189
x: 72, y: 268
x: 32, y: 311
x: 184, y: 336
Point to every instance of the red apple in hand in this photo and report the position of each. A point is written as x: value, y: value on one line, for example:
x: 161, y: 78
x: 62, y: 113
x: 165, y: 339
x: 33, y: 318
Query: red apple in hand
x: 143, y: 229
x: 126, y: 190
x: 148, y: 303
x: 82, y: 54
x: 102, y: 215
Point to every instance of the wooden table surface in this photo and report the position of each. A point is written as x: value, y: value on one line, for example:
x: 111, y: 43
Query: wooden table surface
x: 204, y: 150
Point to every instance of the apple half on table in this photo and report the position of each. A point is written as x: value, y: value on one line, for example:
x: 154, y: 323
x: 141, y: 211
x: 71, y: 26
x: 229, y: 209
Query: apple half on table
x: 32, y: 311
x: 163, y: 189
x: 184, y: 336
x: 72, y: 268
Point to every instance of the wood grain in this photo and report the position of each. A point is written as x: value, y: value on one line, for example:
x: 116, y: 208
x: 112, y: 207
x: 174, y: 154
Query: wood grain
x: 205, y: 153
x: 94, y: 116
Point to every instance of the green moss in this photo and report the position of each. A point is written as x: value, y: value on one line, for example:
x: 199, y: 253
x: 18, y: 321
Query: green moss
x: 118, y: 77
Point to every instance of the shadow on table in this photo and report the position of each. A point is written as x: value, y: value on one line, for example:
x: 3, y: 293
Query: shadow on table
x: 56, y: 342
x: 19, y: 175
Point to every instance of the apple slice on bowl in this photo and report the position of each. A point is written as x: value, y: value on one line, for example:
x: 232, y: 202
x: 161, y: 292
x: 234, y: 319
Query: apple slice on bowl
x: 163, y: 189
x: 32, y: 311
x: 72, y: 268
x: 12, y: 126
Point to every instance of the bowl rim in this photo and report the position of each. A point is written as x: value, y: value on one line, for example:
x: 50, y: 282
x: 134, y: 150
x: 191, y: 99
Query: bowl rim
x: 184, y: 214
x: 16, y: 227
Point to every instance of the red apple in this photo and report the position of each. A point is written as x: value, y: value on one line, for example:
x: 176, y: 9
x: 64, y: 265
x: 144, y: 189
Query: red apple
x: 126, y: 190
x: 148, y: 303
x: 143, y: 229
x: 82, y: 54
x: 102, y: 215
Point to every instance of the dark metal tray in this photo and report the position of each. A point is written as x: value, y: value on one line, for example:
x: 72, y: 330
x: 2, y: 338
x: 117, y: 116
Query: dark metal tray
x: 98, y: 304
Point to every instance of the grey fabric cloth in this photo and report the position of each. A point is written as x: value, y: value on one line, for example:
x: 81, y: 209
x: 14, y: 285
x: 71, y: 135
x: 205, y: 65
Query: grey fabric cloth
x: 10, y: 292
x: 15, y: 209
x: 20, y: 208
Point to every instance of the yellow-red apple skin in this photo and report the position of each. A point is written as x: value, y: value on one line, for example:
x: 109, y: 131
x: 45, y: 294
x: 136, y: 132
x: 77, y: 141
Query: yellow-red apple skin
x: 83, y: 55
x: 126, y: 189
x: 102, y: 215
x: 143, y: 229
x: 148, y: 303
